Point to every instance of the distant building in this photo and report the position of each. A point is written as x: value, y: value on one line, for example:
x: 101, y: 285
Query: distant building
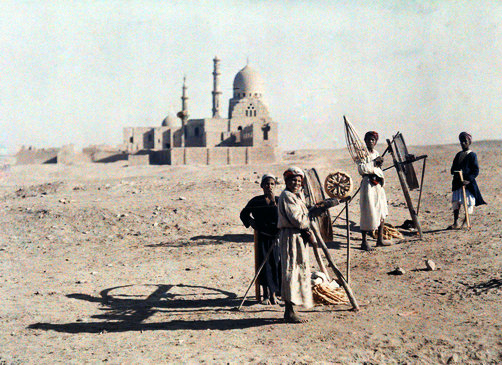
x: 247, y: 135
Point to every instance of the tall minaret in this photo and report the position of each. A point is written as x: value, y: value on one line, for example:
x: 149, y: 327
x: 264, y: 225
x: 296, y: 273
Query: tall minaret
x: 216, y: 92
x: 183, y: 114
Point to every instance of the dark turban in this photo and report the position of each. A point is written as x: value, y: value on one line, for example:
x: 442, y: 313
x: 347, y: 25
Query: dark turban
x: 465, y: 135
x: 371, y: 134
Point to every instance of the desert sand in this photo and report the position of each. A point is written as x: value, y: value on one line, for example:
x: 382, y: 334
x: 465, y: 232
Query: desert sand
x: 144, y: 264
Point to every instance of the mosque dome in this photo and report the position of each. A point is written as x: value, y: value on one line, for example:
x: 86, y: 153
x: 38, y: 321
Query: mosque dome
x: 247, y: 83
x: 168, y: 121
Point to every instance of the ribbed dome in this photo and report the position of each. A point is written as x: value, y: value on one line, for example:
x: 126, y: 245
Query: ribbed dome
x: 247, y: 82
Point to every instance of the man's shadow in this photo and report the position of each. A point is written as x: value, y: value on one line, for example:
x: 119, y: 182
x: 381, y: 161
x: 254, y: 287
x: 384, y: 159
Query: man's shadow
x: 128, y: 312
x: 203, y: 240
x: 236, y: 238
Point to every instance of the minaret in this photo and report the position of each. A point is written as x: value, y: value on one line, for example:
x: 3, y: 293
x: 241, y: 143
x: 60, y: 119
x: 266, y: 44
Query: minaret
x: 183, y: 114
x: 216, y: 92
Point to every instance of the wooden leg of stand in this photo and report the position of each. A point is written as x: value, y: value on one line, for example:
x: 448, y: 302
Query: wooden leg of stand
x: 256, y: 266
x: 348, y: 240
x: 335, y: 269
x: 318, y: 258
x: 406, y: 192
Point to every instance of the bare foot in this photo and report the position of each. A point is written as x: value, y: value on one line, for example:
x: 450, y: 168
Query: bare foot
x: 366, y: 247
x: 383, y: 243
x: 293, y: 318
x: 266, y: 301
x: 273, y: 299
x: 454, y: 226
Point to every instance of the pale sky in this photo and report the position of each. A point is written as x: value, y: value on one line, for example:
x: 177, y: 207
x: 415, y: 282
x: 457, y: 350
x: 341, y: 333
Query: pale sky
x: 79, y: 71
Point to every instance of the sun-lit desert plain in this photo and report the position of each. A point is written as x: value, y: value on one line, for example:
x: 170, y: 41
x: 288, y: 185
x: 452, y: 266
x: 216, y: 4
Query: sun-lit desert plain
x: 145, y: 264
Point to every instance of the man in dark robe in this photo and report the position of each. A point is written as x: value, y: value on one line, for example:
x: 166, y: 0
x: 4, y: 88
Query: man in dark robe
x: 261, y: 214
x: 467, y: 162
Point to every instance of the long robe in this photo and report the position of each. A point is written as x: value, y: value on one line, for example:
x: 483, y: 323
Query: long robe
x: 265, y: 217
x: 467, y: 162
x: 372, y: 200
x: 293, y: 217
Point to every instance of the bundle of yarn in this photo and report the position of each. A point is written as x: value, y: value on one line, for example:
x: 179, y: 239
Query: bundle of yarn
x: 325, y: 292
x: 389, y: 232
x: 326, y: 295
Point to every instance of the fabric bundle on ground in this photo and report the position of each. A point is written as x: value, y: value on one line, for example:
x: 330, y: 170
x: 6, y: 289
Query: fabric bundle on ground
x: 389, y: 232
x: 325, y: 294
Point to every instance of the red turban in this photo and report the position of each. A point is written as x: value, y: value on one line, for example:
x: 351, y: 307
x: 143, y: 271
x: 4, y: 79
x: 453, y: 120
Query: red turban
x: 292, y: 172
x: 371, y: 134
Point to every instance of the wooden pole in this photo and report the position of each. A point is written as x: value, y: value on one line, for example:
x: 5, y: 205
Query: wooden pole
x: 348, y: 239
x: 464, y: 198
x: 421, y: 185
x: 256, y: 266
x: 318, y: 258
x: 256, y: 275
x: 406, y: 192
x: 352, y: 197
x: 335, y: 269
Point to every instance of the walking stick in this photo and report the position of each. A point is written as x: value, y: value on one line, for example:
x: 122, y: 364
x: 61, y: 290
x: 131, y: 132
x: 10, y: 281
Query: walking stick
x: 464, y: 198
x: 256, y: 275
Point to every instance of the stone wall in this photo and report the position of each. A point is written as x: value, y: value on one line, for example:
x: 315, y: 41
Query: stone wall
x: 220, y: 156
x: 104, y: 154
x: 67, y: 156
x: 30, y: 155
x: 138, y: 160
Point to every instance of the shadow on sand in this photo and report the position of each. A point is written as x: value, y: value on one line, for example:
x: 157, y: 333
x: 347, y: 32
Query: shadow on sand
x: 204, y: 240
x: 128, y: 311
x: 485, y: 287
x: 236, y: 238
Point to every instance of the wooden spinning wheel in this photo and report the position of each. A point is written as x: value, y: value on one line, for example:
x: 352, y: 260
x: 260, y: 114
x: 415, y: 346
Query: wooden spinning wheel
x: 338, y: 185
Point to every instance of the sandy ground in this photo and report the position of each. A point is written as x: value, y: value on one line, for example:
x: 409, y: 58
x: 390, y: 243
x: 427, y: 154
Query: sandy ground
x: 118, y: 264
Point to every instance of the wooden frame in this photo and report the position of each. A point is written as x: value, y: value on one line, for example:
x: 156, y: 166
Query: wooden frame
x: 314, y: 193
x: 403, y: 162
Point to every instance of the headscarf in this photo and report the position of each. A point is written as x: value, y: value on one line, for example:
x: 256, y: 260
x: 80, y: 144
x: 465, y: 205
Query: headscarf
x: 371, y: 134
x: 292, y: 172
x: 465, y: 135
x: 265, y: 177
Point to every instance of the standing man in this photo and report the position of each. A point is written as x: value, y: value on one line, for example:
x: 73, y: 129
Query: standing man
x: 261, y: 214
x: 467, y: 162
x: 295, y: 233
x: 373, y: 201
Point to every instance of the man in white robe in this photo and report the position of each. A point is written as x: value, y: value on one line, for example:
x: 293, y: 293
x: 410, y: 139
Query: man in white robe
x: 294, y: 225
x: 373, y: 201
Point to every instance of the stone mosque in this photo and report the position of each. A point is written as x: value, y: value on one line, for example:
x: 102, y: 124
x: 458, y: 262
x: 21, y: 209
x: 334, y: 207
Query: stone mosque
x: 247, y: 135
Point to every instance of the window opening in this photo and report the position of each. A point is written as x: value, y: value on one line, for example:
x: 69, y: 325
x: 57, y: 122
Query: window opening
x: 265, y: 129
x: 250, y: 111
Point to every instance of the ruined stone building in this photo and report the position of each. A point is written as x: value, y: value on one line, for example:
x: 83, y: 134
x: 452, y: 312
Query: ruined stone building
x: 247, y: 135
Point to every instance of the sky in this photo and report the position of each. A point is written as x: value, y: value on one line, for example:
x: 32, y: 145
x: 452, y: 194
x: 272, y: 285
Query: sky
x: 79, y: 71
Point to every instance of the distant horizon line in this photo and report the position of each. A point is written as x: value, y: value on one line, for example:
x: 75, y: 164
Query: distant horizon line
x: 281, y: 149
